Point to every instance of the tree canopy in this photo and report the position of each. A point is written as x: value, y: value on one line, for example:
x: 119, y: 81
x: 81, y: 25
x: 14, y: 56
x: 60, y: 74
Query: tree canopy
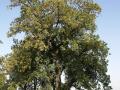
x: 59, y: 38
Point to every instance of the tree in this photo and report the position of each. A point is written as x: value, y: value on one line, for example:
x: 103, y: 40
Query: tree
x: 59, y: 37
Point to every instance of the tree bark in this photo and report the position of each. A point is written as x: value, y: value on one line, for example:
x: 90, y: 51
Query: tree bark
x: 25, y: 87
x: 35, y: 83
x: 58, y: 77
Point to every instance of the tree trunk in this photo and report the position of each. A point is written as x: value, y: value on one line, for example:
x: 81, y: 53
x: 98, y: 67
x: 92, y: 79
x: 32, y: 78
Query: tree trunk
x: 25, y: 87
x: 58, y: 77
x: 35, y: 83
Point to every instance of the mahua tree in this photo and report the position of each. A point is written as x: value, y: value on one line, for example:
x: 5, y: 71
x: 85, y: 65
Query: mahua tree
x: 59, y: 38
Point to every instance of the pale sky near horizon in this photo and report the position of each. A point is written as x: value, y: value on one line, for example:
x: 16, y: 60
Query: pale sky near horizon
x: 108, y: 25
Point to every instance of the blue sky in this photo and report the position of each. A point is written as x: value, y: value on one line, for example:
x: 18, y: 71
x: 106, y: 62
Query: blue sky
x: 108, y: 25
x: 6, y: 17
x: 108, y: 28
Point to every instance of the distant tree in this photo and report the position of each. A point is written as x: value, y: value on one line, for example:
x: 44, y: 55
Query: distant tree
x: 2, y: 73
x: 2, y: 79
x: 59, y: 37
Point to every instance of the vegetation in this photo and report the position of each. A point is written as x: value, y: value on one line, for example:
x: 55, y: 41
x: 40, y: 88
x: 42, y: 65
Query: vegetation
x: 59, y: 38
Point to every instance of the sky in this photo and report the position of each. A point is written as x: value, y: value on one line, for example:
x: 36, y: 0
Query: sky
x: 108, y: 25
